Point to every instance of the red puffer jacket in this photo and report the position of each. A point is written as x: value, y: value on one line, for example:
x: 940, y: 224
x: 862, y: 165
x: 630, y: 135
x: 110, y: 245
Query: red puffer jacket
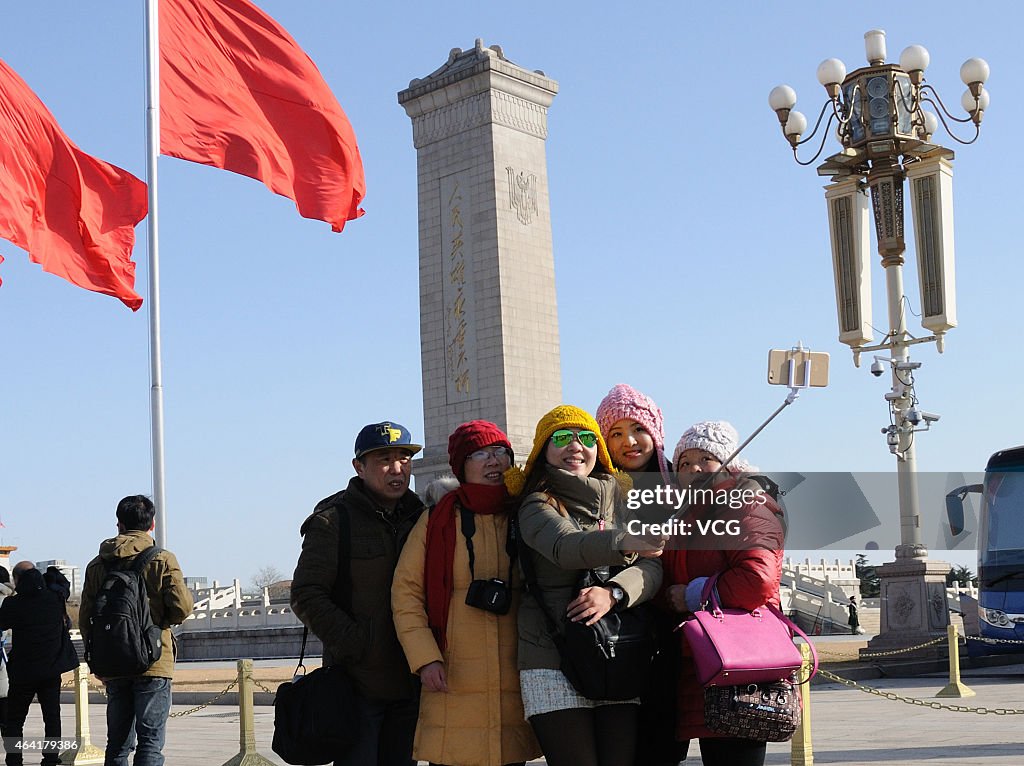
x: 750, y: 564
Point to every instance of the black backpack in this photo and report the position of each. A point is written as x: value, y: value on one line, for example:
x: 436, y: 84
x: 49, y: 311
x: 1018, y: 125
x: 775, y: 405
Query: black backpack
x: 123, y: 640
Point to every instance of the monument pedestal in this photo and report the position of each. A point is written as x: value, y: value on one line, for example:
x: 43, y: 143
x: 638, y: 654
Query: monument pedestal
x: 913, y: 609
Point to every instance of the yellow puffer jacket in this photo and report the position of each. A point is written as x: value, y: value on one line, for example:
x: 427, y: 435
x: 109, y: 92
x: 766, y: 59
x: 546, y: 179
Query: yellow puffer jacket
x: 479, y: 722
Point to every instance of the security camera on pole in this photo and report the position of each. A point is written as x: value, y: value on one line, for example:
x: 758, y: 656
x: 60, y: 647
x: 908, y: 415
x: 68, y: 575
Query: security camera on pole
x: 886, y: 137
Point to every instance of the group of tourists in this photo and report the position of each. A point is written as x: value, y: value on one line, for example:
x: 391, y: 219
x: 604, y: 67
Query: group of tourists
x: 447, y: 631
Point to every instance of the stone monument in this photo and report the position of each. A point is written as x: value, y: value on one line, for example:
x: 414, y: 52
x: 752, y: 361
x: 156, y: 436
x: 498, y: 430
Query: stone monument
x: 488, y: 318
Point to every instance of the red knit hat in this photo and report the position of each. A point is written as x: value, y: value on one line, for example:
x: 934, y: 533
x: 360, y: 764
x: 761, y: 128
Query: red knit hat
x: 468, y: 438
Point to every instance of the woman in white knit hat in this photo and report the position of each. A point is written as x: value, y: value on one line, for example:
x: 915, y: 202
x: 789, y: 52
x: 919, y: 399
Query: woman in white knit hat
x: 748, y: 564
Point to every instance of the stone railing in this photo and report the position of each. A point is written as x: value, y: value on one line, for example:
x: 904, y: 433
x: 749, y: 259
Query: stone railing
x: 224, y: 608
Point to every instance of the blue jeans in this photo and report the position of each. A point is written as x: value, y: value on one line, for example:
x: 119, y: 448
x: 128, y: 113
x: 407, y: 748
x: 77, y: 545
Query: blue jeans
x: 137, y: 709
x: 387, y: 732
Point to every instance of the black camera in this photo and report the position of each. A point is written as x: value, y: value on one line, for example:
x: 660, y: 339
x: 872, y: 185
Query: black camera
x: 490, y: 595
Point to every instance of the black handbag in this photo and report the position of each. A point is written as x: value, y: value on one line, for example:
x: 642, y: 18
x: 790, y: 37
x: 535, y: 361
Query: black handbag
x: 767, y: 712
x: 68, y: 657
x: 315, y: 716
x: 609, y: 660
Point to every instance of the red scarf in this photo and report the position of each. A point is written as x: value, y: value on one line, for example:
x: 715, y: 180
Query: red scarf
x: 484, y: 499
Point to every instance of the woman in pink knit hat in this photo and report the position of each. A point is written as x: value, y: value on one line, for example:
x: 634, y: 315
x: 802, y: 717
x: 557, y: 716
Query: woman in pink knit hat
x: 633, y: 428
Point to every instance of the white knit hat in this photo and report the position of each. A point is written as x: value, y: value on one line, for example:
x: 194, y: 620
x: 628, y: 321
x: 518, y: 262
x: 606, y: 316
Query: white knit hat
x: 717, y: 437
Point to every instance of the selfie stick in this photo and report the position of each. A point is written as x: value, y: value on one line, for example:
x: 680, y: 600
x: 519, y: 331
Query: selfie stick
x: 794, y: 394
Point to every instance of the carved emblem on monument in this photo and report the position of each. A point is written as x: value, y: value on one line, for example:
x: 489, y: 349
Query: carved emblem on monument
x: 903, y: 606
x: 522, y: 194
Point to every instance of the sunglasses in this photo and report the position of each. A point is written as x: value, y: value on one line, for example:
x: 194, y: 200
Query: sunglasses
x: 563, y: 438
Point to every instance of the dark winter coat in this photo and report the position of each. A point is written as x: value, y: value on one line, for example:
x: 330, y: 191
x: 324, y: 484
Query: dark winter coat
x: 363, y: 639
x: 36, y: 616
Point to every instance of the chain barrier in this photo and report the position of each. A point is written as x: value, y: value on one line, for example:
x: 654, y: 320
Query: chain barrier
x: 261, y: 686
x: 894, y: 652
x: 915, y: 701
x: 197, y: 708
x: 987, y: 640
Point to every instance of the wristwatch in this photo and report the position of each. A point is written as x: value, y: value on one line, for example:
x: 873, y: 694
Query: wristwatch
x: 618, y: 594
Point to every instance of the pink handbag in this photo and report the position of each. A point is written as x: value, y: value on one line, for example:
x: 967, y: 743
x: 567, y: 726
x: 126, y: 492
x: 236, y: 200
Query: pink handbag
x: 735, y: 647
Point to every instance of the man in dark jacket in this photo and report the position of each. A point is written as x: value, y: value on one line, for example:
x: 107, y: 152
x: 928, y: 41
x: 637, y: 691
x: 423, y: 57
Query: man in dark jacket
x: 356, y: 627
x: 40, y: 653
x: 137, y: 706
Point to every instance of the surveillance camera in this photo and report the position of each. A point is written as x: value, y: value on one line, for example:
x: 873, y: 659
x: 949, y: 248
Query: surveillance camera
x: 930, y: 417
x: 877, y: 368
x: 908, y: 366
x: 914, y: 416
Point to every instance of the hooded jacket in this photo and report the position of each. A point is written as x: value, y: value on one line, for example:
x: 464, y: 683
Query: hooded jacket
x: 170, y: 600
x: 362, y: 638
x: 36, y: 616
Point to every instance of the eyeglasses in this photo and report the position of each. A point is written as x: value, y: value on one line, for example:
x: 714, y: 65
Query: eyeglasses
x: 563, y: 438
x: 498, y: 453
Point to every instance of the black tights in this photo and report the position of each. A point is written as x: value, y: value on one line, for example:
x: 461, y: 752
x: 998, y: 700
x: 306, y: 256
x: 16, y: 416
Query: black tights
x: 600, y: 736
x: 731, y: 751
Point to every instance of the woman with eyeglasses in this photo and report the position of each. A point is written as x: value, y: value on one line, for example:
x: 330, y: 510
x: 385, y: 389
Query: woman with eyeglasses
x: 570, y: 521
x: 455, y: 598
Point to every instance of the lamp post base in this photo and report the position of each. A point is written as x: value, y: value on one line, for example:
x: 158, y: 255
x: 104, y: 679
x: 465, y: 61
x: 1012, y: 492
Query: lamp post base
x: 913, y: 607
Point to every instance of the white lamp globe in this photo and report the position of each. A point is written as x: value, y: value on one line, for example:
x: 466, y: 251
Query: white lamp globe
x: 831, y: 72
x: 970, y: 105
x: 974, y: 70
x: 914, y: 58
x: 781, y: 97
x: 931, y: 123
x: 796, y: 124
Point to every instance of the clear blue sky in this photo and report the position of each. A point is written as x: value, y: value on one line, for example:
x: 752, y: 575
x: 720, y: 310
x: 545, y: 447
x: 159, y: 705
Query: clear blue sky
x: 687, y: 243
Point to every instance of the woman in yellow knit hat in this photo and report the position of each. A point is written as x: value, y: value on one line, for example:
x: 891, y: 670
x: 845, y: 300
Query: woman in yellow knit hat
x: 570, y: 521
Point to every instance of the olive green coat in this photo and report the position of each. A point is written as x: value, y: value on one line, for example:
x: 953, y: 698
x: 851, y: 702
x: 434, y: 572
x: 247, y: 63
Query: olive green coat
x: 562, y: 552
x: 170, y: 600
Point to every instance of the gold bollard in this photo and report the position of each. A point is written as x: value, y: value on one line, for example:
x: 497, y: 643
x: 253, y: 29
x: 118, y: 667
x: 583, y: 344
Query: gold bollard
x: 954, y: 688
x: 246, y: 722
x: 86, y: 752
x: 801, y: 748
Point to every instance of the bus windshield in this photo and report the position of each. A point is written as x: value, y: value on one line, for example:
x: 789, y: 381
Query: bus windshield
x: 1002, y: 527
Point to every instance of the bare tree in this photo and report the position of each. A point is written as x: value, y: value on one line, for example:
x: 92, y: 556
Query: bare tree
x: 266, y: 576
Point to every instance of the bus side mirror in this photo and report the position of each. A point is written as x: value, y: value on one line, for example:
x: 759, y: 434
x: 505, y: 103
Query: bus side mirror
x: 955, y: 507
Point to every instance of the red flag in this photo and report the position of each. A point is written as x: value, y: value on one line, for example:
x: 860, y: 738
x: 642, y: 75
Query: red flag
x: 238, y: 93
x: 73, y: 213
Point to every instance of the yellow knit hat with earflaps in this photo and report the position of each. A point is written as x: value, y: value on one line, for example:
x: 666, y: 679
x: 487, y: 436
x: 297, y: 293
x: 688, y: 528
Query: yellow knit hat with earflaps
x: 563, y: 416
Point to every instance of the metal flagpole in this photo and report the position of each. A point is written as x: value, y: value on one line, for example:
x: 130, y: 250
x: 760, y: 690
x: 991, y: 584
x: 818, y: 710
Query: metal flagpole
x: 156, y: 389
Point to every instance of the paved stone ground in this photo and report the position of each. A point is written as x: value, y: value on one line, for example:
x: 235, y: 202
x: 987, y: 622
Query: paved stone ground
x: 848, y: 726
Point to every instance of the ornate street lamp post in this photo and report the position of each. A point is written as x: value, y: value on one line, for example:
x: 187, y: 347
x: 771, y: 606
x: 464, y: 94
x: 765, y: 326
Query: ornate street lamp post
x: 886, y: 136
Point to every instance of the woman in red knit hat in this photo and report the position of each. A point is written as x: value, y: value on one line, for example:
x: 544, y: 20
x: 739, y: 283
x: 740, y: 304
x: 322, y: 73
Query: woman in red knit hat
x: 455, y: 599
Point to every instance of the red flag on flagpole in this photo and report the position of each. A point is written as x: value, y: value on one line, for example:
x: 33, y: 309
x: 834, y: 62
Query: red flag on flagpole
x: 238, y: 93
x: 73, y: 213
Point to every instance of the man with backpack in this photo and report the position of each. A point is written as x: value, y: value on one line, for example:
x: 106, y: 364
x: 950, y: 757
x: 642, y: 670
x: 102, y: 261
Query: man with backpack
x: 341, y: 591
x: 133, y: 593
